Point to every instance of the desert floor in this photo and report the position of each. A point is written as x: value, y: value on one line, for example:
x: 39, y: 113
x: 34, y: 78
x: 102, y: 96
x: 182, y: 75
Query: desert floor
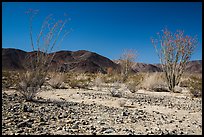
x: 96, y: 111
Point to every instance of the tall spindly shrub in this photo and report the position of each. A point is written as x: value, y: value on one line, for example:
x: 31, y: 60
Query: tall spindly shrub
x: 174, y: 51
x: 38, y: 62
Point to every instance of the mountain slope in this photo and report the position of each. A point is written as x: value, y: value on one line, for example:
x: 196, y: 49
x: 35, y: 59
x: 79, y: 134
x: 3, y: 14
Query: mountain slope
x: 76, y: 61
x: 82, y: 61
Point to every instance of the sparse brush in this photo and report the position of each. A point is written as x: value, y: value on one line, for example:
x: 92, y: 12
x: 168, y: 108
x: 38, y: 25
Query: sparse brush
x: 30, y: 84
x: 195, y: 85
x: 98, y: 81
x: 57, y: 80
x: 10, y: 79
x: 133, y: 87
x: 37, y: 64
x: 193, y: 82
x: 154, y: 81
x: 111, y: 78
x: 79, y: 81
x: 133, y: 82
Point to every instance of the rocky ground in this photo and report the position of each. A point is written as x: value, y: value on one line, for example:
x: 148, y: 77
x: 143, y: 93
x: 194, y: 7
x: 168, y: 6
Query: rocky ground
x: 94, y: 111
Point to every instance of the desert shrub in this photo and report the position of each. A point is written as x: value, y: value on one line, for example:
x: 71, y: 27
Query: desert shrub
x: 79, y: 81
x: 37, y: 64
x: 10, y: 79
x: 111, y: 78
x: 193, y: 82
x: 133, y: 82
x: 74, y: 83
x: 109, y: 70
x: 98, y: 81
x: 154, y: 81
x: 174, y: 51
x: 195, y: 85
x: 126, y: 62
x: 133, y: 87
x: 31, y: 83
x: 56, y: 80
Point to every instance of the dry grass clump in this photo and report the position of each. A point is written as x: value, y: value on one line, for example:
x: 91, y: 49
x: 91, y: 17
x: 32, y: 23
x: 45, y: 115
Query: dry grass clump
x: 155, y: 82
x: 79, y: 80
x: 98, y: 81
x: 111, y: 78
x: 31, y: 83
x: 133, y: 82
x: 195, y: 85
x: 57, y: 80
x: 193, y: 82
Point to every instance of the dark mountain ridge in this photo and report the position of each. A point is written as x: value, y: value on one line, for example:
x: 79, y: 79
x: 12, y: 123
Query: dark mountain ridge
x: 74, y: 61
x: 82, y: 61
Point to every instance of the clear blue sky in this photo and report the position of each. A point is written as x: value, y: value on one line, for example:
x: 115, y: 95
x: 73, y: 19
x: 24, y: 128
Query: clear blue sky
x: 105, y: 27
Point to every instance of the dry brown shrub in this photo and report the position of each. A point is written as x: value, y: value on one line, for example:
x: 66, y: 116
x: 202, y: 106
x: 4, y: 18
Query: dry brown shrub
x: 133, y: 82
x: 37, y: 64
x: 154, y: 81
x: 79, y: 80
x: 31, y: 83
x: 57, y: 80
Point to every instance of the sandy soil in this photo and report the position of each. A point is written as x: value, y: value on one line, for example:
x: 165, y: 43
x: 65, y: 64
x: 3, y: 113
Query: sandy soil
x: 161, y: 112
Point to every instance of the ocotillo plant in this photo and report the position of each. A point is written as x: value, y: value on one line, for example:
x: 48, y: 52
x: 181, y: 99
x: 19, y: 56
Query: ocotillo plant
x: 38, y: 63
x: 174, y: 52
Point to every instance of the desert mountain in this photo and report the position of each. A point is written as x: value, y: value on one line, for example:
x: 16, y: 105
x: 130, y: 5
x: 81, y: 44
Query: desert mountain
x: 74, y: 61
x: 192, y: 66
x: 82, y: 61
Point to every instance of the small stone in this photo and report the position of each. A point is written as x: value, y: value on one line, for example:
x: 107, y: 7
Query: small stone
x: 125, y: 113
x: 27, y: 109
x: 109, y: 130
x: 59, y: 128
x: 75, y: 125
x: 24, y: 124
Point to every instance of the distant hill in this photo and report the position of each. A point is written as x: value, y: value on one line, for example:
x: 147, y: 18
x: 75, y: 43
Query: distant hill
x: 73, y: 61
x: 12, y: 58
x: 192, y: 66
x: 83, y: 61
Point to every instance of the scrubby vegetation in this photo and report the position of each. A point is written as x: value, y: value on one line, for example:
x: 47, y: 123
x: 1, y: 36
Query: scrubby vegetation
x: 174, y: 51
x: 134, y: 82
x: 10, y: 79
